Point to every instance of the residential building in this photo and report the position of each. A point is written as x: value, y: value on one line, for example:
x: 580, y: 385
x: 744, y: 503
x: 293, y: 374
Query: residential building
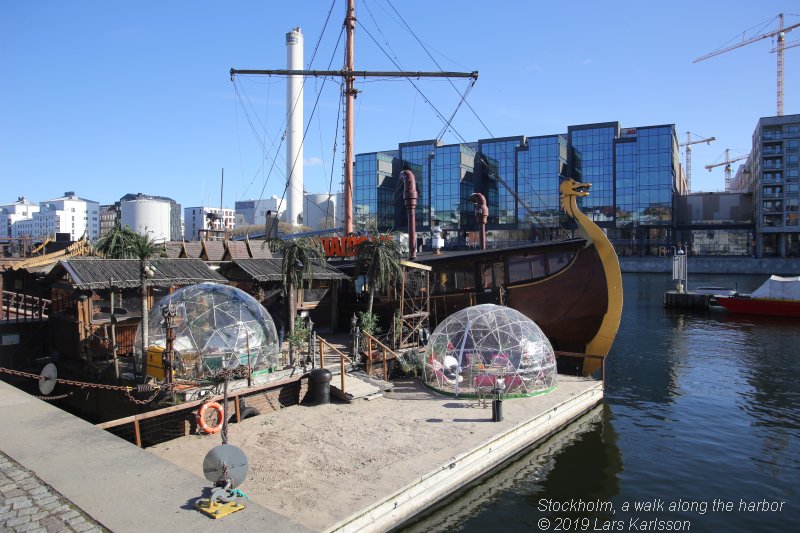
x: 254, y: 212
x: 109, y: 217
x: 774, y: 167
x: 69, y: 214
x: 199, y: 222
x: 22, y: 209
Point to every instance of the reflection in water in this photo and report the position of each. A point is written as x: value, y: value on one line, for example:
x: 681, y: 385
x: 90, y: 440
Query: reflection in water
x: 705, y: 405
x: 585, y: 448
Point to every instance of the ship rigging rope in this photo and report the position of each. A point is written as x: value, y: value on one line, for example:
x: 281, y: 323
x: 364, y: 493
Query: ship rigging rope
x: 448, y: 125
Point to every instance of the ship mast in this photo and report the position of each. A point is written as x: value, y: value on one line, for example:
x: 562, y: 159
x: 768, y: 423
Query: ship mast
x: 349, y: 74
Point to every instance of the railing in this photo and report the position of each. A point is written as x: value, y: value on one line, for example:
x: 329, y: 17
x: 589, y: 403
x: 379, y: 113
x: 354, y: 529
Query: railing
x: 17, y: 307
x: 385, y: 350
x: 342, y: 358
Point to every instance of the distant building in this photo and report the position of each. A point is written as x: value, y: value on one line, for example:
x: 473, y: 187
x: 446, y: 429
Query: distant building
x: 145, y: 210
x: 109, y: 216
x: 69, y: 214
x: 774, y: 167
x: 199, y: 219
x: 254, y: 212
x: 319, y: 210
x: 22, y: 209
x: 635, y: 175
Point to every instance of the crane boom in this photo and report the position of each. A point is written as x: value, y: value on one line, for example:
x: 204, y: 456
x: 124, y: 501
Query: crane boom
x: 727, y: 164
x: 688, y: 144
x: 779, y: 48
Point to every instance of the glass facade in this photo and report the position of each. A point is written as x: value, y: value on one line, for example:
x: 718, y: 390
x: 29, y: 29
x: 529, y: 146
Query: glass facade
x: 416, y: 157
x: 595, y: 146
x: 452, y: 183
x: 499, y: 156
x: 373, y: 191
x: 541, y: 165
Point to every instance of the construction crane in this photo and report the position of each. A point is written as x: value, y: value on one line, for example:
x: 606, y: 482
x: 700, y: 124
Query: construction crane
x: 779, y: 48
x: 727, y: 164
x: 688, y: 144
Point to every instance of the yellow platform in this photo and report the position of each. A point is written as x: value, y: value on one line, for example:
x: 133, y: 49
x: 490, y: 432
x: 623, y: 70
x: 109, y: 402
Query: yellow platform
x: 217, y: 510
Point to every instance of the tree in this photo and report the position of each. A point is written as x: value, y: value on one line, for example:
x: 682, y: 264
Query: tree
x: 379, y: 257
x: 299, y: 257
x: 125, y: 243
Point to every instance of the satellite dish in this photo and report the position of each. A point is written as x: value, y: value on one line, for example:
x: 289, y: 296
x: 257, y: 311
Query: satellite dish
x: 47, y: 380
x: 225, y: 462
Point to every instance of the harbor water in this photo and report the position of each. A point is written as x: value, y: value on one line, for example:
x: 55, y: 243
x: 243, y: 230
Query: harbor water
x: 699, y: 431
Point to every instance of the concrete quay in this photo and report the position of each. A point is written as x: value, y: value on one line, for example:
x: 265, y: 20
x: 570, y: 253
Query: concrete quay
x: 789, y: 266
x: 366, y: 466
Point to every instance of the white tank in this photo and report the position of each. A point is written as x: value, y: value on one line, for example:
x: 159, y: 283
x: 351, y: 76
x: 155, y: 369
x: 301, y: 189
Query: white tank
x: 147, y: 215
x: 317, y: 207
x: 294, y: 121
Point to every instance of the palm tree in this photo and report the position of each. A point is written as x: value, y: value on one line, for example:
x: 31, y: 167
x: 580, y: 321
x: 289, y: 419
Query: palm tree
x: 379, y: 257
x: 125, y: 243
x: 299, y: 257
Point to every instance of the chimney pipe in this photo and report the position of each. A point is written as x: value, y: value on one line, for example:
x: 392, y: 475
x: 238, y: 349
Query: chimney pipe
x: 410, y: 198
x: 481, y: 215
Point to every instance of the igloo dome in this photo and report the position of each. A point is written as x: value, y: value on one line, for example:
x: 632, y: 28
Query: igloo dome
x: 481, y: 347
x: 216, y: 327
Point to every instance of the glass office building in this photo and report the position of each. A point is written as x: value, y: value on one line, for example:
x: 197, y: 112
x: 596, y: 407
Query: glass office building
x: 373, y: 191
x: 498, y: 166
x: 452, y: 183
x: 633, y: 173
x: 541, y: 166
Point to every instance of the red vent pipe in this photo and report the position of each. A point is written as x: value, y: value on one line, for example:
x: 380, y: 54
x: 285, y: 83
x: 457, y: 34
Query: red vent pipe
x: 481, y: 215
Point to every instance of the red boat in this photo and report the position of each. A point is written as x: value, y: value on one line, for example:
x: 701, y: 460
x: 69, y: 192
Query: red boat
x: 777, y: 297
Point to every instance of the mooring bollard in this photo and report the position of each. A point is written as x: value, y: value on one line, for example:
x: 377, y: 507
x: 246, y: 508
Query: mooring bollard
x: 497, y: 401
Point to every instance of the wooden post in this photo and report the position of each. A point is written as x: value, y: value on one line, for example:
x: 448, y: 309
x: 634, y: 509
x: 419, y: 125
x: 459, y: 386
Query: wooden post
x: 369, y: 355
x: 236, y: 408
x: 321, y: 353
x: 385, y: 371
x: 341, y: 363
x: 249, y: 366
x: 136, y: 432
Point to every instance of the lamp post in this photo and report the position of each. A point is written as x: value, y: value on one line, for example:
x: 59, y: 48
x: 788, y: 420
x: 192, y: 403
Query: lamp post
x: 497, y: 400
x: 145, y: 272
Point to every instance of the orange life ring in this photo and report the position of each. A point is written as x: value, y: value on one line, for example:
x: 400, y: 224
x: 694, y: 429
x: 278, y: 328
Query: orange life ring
x: 201, y: 418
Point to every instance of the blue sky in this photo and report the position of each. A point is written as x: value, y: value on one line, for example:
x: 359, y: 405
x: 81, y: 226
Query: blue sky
x: 108, y: 98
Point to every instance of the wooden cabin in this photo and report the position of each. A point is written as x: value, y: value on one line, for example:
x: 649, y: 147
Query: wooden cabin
x: 263, y: 279
x: 81, y: 315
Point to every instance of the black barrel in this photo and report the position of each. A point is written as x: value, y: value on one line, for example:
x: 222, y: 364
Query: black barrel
x: 320, y: 379
x: 497, y: 404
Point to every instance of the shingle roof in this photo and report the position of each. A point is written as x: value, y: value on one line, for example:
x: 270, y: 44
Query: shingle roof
x: 213, y: 250
x: 173, y: 249
x: 270, y: 270
x: 124, y: 273
x: 192, y: 249
x: 259, y: 249
x: 236, y: 250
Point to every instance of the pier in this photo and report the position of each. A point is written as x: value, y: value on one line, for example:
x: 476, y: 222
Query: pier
x: 365, y: 466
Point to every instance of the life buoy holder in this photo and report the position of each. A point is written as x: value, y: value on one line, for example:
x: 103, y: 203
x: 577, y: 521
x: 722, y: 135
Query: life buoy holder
x: 201, y: 418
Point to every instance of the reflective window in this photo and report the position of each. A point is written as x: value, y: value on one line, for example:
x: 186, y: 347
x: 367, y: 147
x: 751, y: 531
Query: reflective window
x: 557, y: 261
x: 526, y: 267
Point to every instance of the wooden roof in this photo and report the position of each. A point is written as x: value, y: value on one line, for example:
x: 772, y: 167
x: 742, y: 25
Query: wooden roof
x: 236, y: 250
x: 173, y: 249
x: 124, y: 273
x: 270, y: 270
x: 192, y: 249
x: 259, y: 249
x: 213, y: 250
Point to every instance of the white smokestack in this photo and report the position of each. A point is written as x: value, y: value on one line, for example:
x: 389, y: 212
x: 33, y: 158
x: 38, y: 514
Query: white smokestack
x: 294, y: 121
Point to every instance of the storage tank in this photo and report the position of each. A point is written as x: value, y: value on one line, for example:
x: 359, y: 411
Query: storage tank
x: 147, y: 216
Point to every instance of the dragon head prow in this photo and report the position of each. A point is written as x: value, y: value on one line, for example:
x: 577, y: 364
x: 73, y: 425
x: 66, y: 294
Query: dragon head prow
x: 570, y: 187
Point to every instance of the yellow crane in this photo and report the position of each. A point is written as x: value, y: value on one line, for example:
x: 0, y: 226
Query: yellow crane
x: 779, y: 48
x: 727, y: 164
x: 688, y: 144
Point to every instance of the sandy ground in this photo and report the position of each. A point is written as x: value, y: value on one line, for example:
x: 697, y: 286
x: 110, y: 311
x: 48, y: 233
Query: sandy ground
x: 320, y: 464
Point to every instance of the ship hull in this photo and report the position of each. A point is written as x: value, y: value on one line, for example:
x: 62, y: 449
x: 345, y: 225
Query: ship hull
x: 761, y: 306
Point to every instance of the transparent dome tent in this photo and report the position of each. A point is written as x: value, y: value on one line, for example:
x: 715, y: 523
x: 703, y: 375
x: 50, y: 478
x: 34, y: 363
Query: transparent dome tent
x: 486, y: 346
x: 216, y: 327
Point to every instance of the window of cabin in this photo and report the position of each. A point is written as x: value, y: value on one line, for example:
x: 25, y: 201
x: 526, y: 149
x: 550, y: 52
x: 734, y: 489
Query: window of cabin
x: 456, y: 278
x: 493, y: 274
x: 526, y: 267
x: 557, y: 261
